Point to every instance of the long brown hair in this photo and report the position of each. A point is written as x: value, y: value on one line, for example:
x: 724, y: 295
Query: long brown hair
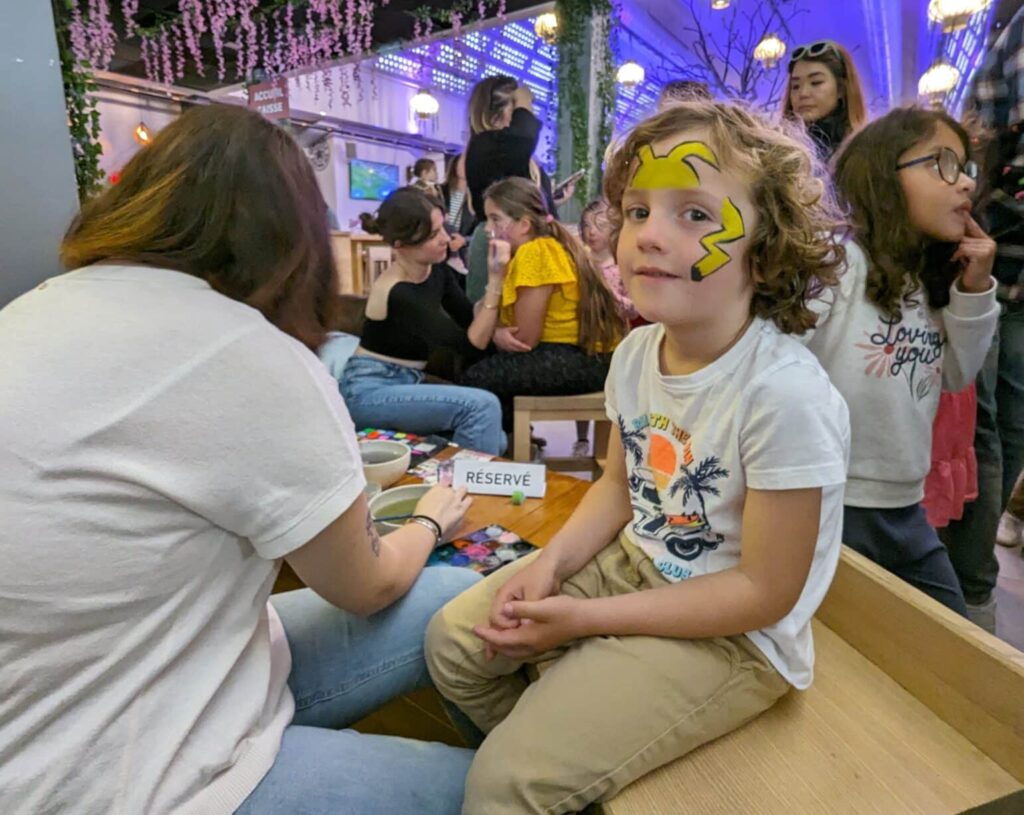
x: 792, y: 253
x: 851, y: 95
x: 488, y: 101
x: 601, y: 327
x: 224, y: 195
x: 900, y: 259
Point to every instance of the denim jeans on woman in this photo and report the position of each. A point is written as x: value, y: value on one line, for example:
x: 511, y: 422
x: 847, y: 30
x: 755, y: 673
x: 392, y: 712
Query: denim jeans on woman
x: 383, y: 394
x: 344, y: 667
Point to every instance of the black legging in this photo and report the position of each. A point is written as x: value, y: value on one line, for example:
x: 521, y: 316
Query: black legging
x: 550, y: 369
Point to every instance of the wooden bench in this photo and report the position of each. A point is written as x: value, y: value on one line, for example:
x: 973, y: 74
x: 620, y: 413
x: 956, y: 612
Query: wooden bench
x: 913, y: 710
x: 588, y: 407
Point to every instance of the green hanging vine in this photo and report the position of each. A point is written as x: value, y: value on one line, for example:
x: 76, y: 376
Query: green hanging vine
x: 574, y: 27
x: 83, y: 118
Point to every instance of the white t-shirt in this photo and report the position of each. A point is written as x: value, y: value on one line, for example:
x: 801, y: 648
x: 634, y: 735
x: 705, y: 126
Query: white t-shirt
x: 891, y: 373
x: 762, y: 416
x: 161, y: 447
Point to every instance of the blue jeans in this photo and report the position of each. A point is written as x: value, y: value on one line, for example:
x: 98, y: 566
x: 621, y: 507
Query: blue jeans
x: 344, y: 667
x: 382, y: 394
x: 902, y: 542
x: 999, y: 447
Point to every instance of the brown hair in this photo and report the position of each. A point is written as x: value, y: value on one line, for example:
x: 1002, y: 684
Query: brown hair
x: 601, y: 327
x: 900, y: 259
x: 224, y: 195
x: 792, y: 252
x: 423, y: 165
x: 851, y: 95
x: 488, y: 101
x: 404, y: 217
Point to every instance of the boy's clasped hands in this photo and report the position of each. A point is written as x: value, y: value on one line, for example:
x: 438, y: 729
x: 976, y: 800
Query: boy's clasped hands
x: 528, y: 615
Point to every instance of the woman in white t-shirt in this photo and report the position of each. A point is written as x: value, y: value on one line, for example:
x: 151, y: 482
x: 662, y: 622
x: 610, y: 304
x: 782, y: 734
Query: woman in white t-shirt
x: 166, y: 438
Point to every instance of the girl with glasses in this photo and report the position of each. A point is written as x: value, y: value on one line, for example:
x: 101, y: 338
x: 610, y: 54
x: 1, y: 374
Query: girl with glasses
x: 913, y: 315
x: 824, y: 92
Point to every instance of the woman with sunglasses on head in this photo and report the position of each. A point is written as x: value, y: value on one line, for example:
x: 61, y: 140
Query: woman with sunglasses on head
x: 913, y: 314
x: 824, y: 92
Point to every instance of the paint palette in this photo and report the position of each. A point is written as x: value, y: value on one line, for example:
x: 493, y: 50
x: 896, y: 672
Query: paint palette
x: 423, y: 447
x: 483, y: 551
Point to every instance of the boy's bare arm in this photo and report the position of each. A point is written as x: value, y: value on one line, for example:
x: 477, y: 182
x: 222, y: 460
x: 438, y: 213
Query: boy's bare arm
x: 780, y: 532
x: 598, y: 518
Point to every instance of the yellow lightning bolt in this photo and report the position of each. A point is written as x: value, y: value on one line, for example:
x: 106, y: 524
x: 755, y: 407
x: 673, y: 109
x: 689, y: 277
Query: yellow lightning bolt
x: 716, y: 257
x: 672, y: 171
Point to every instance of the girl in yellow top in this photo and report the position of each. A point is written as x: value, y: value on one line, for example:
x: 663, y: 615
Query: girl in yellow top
x: 562, y: 313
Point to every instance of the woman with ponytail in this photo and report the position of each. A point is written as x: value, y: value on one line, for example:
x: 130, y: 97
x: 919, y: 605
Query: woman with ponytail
x: 553, y: 300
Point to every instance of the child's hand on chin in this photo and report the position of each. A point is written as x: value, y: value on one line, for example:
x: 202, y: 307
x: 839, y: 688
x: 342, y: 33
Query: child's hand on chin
x: 977, y: 254
x: 541, y: 625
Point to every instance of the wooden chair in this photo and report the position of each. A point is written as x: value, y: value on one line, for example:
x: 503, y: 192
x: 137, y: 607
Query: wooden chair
x: 588, y: 407
x: 376, y: 260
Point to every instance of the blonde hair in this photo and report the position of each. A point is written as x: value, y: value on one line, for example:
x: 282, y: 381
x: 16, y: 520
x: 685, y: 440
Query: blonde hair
x: 793, y: 251
x: 601, y: 327
x: 488, y: 101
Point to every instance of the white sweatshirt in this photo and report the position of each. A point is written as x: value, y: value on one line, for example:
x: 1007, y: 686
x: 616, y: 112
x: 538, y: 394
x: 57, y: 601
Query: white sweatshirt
x: 891, y: 374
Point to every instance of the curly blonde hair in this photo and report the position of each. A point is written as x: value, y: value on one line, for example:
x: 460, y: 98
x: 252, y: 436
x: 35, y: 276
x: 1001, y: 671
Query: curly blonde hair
x: 794, y: 250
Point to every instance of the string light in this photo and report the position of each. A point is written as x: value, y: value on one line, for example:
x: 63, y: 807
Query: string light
x: 142, y: 135
x: 769, y: 51
x: 424, y: 104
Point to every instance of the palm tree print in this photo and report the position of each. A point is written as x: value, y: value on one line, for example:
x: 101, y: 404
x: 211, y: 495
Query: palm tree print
x: 698, y: 482
x: 632, y: 442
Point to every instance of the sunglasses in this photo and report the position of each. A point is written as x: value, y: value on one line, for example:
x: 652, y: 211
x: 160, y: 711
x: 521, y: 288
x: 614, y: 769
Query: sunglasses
x: 815, y: 49
x: 948, y: 164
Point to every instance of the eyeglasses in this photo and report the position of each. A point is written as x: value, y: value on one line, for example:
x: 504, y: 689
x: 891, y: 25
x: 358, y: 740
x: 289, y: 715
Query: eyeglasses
x: 948, y: 164
x: 815, y: 49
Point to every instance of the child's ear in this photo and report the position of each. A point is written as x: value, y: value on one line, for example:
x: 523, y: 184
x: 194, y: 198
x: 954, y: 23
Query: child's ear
x: 755, y: 271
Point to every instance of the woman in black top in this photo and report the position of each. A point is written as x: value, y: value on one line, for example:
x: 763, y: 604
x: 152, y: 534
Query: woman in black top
x: 414, y: 308
x: 504, y: 137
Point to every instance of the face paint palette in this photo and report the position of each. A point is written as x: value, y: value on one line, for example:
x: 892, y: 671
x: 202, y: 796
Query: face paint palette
x: 423, y: 447
x: 483, y: 551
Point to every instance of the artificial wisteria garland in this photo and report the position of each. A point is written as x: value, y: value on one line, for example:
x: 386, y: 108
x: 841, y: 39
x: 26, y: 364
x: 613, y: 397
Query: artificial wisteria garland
x: 270, y: 38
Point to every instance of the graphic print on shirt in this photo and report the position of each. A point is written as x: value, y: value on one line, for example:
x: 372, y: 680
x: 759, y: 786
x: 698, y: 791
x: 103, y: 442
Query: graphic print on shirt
x: 662, y: 471
x: 895, y: 349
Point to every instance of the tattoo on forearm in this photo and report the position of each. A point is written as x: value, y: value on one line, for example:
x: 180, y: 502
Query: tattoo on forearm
x: 371, y: 533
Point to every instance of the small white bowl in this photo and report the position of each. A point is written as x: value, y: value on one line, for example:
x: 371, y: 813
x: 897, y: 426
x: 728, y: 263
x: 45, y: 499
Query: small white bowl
x: 396, y: 501
x: 384, y: 461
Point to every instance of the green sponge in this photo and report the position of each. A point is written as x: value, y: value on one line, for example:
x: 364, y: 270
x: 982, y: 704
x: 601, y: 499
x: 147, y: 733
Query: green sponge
x: 518, y: 498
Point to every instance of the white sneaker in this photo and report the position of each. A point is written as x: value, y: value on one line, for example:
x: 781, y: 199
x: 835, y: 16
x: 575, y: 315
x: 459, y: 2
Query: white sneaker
x: 1011, y: 531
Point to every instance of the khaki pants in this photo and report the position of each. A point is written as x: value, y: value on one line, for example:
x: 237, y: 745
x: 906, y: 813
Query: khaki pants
x: 604, y: 712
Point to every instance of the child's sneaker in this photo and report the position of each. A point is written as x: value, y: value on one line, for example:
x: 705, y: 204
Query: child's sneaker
x: 581, y: 448
x: 983, y: 615
x: 1011, y: 531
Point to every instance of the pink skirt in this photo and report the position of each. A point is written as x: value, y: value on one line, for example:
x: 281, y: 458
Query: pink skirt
x: 953, y: 479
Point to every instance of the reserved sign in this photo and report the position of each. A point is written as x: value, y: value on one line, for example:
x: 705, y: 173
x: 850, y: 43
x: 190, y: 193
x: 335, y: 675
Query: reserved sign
x: 500, y: 477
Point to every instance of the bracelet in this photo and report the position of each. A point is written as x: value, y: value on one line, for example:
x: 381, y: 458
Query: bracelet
x: 495, y: 306
x: 428, y: 523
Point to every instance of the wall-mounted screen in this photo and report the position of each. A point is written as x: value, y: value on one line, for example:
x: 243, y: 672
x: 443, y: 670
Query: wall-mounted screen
x: 371, y: 180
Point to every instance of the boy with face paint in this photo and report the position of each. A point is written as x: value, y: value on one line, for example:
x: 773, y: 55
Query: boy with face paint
x: 676, y: 602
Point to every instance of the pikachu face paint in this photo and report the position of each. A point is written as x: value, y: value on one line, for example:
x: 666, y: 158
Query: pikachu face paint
x: 676, y: 170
